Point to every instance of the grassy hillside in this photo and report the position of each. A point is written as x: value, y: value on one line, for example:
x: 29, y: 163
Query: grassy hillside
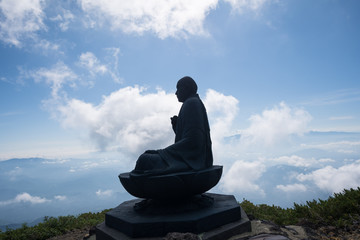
x: 53, y: 227
x: 342, y: 211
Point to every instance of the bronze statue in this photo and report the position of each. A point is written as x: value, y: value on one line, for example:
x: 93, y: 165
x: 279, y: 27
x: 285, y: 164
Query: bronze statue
x: 172, y: 183
x: 192, y: 147
x: 184, y: 168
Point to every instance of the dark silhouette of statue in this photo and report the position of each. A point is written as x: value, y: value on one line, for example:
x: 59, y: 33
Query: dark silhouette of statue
x: 192, y: 147
x: 172, y: 184
x: 184, y: 168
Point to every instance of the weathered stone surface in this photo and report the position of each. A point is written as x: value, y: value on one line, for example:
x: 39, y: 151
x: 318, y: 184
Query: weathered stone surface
x: 174, y: 206
x: 181, y: 236
x: 268, y: 237
x: 221, y: 233
x: 225, y: 215
x: 266, y: 230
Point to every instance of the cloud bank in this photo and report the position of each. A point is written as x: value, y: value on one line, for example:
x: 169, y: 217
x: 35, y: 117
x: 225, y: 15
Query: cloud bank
x: 276, y: 124
x: 164, y: 18
x: 22, y: 20
x: 28, y: 198
x: 25, y: 198
x: 222, y: 111
x: 127, y: 120
x: 242, y: 177
x: 334, y: 180
x: 104, y: 193
x: 296, y: 187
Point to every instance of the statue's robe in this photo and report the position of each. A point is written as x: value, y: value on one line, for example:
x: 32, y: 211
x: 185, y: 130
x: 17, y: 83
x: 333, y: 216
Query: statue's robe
x: 192, y: 147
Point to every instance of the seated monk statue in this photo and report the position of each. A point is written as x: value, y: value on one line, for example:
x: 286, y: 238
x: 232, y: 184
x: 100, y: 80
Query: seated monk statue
x: 192, y: 147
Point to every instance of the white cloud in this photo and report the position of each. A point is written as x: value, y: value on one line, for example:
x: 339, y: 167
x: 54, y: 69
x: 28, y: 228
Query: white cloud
x: 60, y: 198
x: 58, y: 76
x: 268, y: 133
x: 13, y: 174
x: 105, y: 193
x: 276, y: 124
x: 97, y: 163
x: 326, y: 160
x: 242, y: 176
x: 333, y: 179
x: 91, y: 63
x: 132, y: 120
x: 24, y: 19
x: 64, y: 19
x: 127, y: 119
x: 243, y: 5
x: 221, y: 111
x: 165, y: 18
x: 90, y: 164
x: 292, y: 187
x: 294, y: 160
x: 20, y: 19
x: 56, y: 161
x: 114, y: 72
x: 341, y: 146
x: 46, y: 45
x: 24, y: 198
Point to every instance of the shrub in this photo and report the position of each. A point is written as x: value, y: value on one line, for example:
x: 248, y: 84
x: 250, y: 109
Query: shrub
x: 272, y: 213
x: 53, y: 226
x: 341, y: 210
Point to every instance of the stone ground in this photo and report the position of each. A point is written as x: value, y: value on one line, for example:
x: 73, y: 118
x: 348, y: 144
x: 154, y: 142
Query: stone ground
x: 261, y: 230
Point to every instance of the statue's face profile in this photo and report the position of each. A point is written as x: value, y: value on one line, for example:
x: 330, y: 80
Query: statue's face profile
x: 181, y: 92
x: 185, y: 87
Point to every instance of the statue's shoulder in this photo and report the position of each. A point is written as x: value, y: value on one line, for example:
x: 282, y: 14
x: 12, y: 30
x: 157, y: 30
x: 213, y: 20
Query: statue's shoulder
x: 192, y: 101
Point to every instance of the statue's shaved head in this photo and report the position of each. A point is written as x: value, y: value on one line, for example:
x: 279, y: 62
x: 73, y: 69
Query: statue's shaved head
x: 185, y: 88
x: 189, y: 84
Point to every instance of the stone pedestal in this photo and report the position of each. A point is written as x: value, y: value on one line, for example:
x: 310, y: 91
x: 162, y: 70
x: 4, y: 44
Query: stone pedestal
x: 223, y: 217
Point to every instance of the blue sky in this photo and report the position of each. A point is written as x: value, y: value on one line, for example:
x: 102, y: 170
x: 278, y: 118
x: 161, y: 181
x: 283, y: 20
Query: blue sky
x: 95, y: 79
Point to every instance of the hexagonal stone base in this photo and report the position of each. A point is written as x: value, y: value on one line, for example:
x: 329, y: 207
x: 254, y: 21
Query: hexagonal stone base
x: 124, y: 220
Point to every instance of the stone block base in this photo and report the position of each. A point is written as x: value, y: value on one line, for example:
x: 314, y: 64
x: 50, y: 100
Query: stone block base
x: 223, y: 219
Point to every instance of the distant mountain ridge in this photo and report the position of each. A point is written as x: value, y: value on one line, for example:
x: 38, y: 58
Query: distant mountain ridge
x: 19, y: 225
x: 32, y: 188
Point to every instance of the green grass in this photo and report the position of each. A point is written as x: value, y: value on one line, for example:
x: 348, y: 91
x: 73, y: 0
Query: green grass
x: 54, y: 226
x: 341, y: 210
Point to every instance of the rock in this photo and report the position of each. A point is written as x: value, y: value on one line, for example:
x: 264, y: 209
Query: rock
x: 266, y: 230
x: 92, y: 230
x: 181, y: 236
x: 269, y: 237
